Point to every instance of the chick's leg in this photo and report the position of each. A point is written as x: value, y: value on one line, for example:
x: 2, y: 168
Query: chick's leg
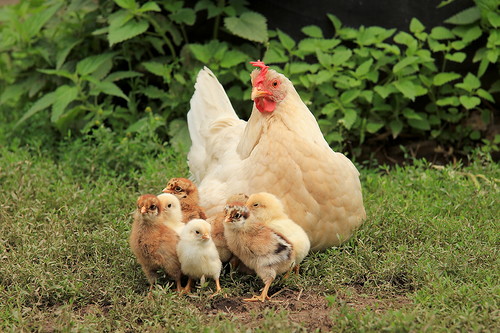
x: 218, y: 288
x: 263, y: 296
x: 178, y: 285
x: 187, y: 288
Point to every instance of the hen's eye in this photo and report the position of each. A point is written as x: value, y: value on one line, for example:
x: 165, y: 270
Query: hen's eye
x: 275, y: 83
x: 178, y: 188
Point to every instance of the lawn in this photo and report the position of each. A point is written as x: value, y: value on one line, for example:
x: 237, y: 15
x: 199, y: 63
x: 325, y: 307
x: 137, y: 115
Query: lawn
x: 425, y: 260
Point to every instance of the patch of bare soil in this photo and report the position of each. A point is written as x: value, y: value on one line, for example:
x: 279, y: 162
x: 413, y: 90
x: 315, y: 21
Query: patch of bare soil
x: 308, y: 309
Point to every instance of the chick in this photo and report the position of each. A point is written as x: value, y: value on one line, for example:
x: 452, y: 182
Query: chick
x: 171, y: 213
x: 197, y: 253
x: 186, y: 191
x: 153, y: 243
x: 217, y: 222
x: 260, y: 248
x: 268, y: 209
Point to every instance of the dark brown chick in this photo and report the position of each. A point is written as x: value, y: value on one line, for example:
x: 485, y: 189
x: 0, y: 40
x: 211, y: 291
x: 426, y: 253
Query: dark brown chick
x: 153, y: 243
x: 187, y: 193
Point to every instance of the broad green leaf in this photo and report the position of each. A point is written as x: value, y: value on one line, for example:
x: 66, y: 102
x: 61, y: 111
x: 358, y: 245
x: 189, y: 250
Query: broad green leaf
x: 404, y: 63
x: 384, y: 91
x: 364, y: 68
x: 201, y: 52
x: 450, y: 100
x: 494, y: 19
x: 184, y: 16
x: 373, y: 127
x: 411, y: 114
x: 472, y: 34
x: 138, y: 125
x: 287, y: 42
x: 348, y: 96
x: 90, y: 64
x: 335, y: 21
x: 485, y: 95
x: 470, y: 83
x: 12, y: 92
x: 36, y: 21
x: 232, y: 58
x: 64, y: 95
x: 41, y: 104
x: 421, y: 124
x: 118, y: 19
x: 249, y: 25
x: 179, y: 135
x: 274, y: 55
x: 126, y: 4
x: 465, y: 17
x: 321, y: 77
x: 406, y: 39
x: 324, y: 59
x: 456, y: 57
x: 443, y: 78
x: 156, y: 68
x: 441, y: 33
x: 350, y: 117
x: 300, y: 67
x: 311, y: 45
x: 109, y: 88
x: 129, y: 30
x: 63, y: 54
x: 116, y: 76
x: 396, y: 127
x: 416, y: 25
x: 58, y: 72
x: 312, y: 31
x: 469, y: 102
x: 150, y: 7
x: 153, y: 92
x: 341, y: 56
x: 407, y: 88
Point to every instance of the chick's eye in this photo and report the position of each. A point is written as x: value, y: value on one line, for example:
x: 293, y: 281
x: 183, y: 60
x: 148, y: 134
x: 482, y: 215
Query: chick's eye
x: 169, y: 205
x: 178, y: 188
x: 153, y: 207
x: 237, y: 215
x: 197, y: 232
x: 256, y: 204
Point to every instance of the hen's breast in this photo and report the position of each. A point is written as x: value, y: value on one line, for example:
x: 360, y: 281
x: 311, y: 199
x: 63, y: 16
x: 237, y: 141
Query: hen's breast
x: 319, y: 188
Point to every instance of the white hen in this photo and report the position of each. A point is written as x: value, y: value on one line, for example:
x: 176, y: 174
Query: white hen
x: 280, y: 150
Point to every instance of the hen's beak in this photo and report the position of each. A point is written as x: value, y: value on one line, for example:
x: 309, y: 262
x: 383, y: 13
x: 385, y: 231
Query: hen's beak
x: 257, y: 93
x: 143, y: 210
x: 205, y: 236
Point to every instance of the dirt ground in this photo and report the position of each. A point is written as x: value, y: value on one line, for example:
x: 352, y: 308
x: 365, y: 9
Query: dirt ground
x: 309, y: 309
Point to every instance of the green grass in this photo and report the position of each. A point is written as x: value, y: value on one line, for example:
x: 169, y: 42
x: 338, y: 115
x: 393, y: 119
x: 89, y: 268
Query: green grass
x: 427, y: 258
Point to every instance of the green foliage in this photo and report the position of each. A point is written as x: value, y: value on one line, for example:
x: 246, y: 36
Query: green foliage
x: 363, y: 84
x: 83, y: 66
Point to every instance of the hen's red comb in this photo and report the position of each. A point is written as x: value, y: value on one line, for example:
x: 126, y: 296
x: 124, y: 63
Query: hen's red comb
x: 263, y: 71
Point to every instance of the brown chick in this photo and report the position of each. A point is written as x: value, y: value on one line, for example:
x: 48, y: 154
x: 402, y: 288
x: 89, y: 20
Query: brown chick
x: 260, y: 248
x: 217, y: 222
x: 153, y: 243
x: 187, y: 193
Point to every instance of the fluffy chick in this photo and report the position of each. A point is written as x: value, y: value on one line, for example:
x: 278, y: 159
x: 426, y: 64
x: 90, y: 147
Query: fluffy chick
x: 217, y: 222
x: 153, y: 243
x: 171, y: 213
x: 186, y: 191
x: 260, y: 248
x: 197, y: 253
x: 268, y: 209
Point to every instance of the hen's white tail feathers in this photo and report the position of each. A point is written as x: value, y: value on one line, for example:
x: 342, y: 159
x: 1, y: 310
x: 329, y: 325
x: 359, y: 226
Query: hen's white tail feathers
x: 208, y: 104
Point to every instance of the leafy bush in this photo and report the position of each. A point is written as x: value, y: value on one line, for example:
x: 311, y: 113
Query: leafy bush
x: 85, y: 65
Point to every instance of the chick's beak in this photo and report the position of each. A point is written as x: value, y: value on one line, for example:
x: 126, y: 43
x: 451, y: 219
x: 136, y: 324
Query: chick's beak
x: 205, y: 236
x: 258, y: 93
x: 143, y: 210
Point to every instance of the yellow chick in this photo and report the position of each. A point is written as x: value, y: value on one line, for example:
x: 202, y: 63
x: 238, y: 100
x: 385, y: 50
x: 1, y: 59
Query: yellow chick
x: 260, y: 248
x: 197, y: 253
x: 153, y: 243
x: 187, y: 193
x: 268, y: 209
x: 171, y: 213
x: 217, y: 222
